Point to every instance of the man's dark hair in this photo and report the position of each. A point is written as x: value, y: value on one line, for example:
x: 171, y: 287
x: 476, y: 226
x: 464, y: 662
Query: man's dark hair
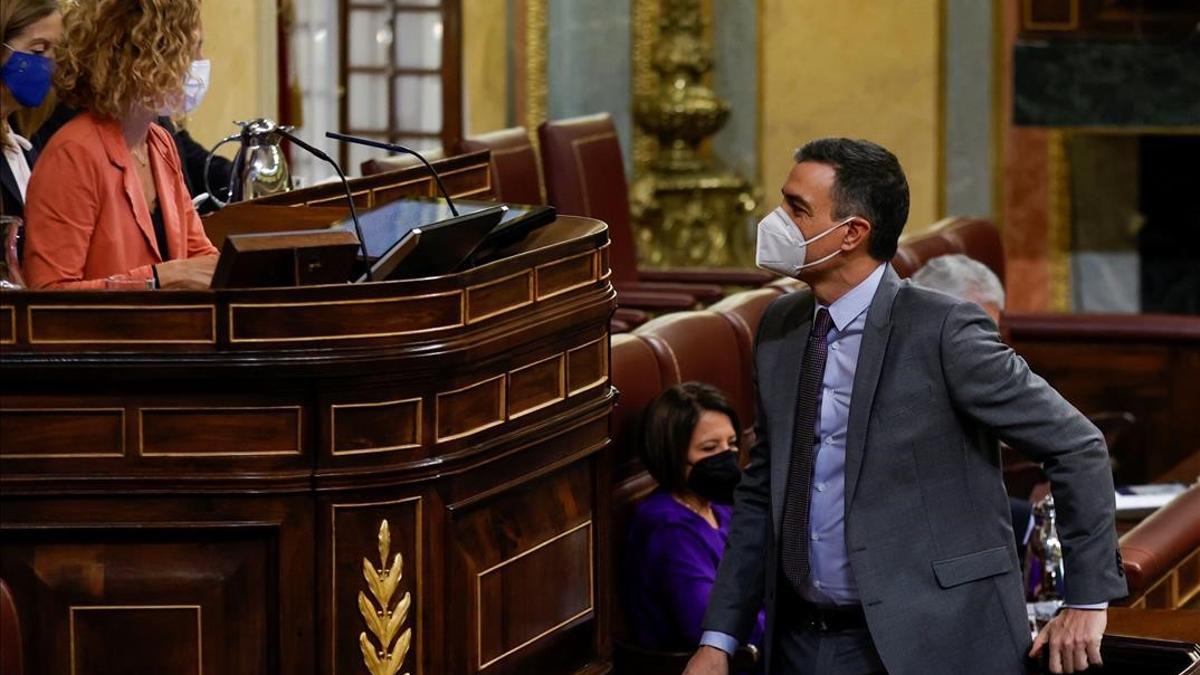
x: 869, y: 183
x: 667, y: 428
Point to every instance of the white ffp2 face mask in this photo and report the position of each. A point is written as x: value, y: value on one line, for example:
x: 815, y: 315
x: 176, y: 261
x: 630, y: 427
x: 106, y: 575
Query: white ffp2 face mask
x: 782, y: 249
x: 195, y: 85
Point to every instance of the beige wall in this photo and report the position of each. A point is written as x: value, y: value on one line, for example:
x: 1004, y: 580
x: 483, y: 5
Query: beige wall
x: 857, y: 68
x: 485, y: 65
x: 240, y: 38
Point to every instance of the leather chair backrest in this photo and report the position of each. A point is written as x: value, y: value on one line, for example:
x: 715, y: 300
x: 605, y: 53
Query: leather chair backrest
x: 744, y: 311
x: 392, y: 162
x: 636, y: 375
x: 585, y: 176
x: 976, y: 238
x: 703, y: 347
x: 10, y: 634
x: 516, y: 176
x: 1160, y: 542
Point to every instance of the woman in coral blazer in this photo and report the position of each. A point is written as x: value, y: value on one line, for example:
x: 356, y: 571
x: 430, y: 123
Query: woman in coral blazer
x: 107, y: 200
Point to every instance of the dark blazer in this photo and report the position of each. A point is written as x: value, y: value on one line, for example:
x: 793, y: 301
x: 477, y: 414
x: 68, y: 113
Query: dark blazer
x: 11, y: 203
x: 928, y: 530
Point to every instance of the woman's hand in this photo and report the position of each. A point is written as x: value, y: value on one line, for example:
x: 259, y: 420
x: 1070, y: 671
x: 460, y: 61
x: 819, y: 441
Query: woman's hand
x: 186, y: 273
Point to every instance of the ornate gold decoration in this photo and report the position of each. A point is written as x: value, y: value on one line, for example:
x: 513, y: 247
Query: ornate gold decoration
x: 688, y: 210
x: 1059, y: 215
x: 536, y: 54
x: 381, y: 657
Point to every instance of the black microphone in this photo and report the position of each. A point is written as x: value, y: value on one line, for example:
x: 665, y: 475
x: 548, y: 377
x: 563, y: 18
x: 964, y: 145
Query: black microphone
x: 320, y: 154
x: 392, y: 147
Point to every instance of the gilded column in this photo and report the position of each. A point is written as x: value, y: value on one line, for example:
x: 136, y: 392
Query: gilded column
x: 688, y: 210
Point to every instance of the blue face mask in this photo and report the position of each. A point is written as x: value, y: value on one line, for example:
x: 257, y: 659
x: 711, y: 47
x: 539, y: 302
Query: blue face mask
x: 27, y: 76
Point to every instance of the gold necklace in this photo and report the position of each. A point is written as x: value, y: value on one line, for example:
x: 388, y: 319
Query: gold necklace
x: 143, y: 157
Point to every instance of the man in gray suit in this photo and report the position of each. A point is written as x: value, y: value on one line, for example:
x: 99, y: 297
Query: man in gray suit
x: 871, y: 519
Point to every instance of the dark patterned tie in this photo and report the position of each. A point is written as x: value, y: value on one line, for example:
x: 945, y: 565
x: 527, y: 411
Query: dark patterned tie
x: 800, y: 473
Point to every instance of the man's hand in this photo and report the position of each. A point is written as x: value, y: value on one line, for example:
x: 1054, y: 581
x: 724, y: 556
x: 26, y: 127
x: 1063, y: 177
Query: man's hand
x: 186, y: 273
x: 708, y: 661
x: 1074, y: 639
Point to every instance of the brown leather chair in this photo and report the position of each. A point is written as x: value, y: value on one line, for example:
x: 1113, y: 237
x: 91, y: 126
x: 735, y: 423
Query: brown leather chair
x: 703, y: 347
x: 585, y: 175
x: 10, y: 634
x: 1165, y: 545
x: 637, y: 378
x: 402, y: 161
x: 516, y: 177
x: 974, y: 237
x: 744, y: 311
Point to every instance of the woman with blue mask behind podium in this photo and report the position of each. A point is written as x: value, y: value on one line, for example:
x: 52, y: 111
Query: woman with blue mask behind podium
x: 29, y: 31
x: 108, y: 206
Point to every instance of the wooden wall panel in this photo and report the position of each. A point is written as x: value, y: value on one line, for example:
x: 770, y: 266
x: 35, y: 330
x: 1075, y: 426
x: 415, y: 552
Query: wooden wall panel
x: 220, y: 431
x: 172, y: 636
x: 8, y: 324
x: 587, y: 366
x: 61, y: 433
x: 1146, y: 365
x: 498, y: 297
x: 537, y: 385
x: 363, y: 428
x: 116, y: 324
x: 511, y: 616
x: 537, y: 529
x: 469, y: 410
x: 144, y: 601
x: 332, y: 320
x: 566, y: 275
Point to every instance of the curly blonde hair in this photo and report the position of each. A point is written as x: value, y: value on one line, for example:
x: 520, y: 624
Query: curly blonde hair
x: 118, y: 54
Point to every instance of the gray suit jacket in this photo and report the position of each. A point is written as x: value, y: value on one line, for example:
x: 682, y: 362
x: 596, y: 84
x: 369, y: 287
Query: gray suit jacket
x: 927, y: 524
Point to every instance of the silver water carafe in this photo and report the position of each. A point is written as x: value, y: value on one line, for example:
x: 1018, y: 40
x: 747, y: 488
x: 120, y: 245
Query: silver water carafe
x: 1044, y: 556
x: 260, y: 167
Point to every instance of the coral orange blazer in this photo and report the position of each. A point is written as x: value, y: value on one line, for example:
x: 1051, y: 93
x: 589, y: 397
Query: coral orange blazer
x: 86, y: 216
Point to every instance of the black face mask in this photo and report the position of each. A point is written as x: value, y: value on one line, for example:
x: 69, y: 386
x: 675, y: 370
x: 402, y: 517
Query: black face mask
x: 715, y: 477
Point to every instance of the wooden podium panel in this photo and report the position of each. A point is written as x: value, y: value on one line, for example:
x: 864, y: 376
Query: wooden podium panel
x: 313, y: 479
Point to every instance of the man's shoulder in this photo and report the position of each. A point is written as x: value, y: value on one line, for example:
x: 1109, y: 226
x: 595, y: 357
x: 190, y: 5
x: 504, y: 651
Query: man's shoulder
x: 916, y: 303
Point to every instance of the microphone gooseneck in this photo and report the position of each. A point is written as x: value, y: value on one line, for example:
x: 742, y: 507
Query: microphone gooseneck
x: 320, y: 154
x: 392, y: 147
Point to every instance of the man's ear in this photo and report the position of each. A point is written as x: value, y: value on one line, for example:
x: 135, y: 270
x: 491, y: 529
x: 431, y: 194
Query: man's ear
x: 858, y: 233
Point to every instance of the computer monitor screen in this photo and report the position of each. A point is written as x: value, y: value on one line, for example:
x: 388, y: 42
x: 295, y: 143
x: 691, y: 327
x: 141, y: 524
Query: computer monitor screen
x: 384, y: 226
x: 425, y: 249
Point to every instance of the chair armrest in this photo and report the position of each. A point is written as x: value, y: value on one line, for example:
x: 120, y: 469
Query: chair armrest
x: 631, y: 317
x: 721, y: 276
x: 655, y: 301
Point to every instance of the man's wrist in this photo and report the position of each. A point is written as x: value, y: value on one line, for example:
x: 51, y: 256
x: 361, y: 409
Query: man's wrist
x: 1095, y: 607
x: 720, y: 641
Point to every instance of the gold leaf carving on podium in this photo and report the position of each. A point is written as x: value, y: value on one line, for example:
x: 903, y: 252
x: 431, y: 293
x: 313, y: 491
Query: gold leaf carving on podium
x: 382, y: 620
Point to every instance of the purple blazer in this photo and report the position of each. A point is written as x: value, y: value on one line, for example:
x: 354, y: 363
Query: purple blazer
x: 670, y: 564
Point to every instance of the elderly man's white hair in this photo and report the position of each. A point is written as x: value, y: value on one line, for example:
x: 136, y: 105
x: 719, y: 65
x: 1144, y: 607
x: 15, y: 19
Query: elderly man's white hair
x: 962, y: 277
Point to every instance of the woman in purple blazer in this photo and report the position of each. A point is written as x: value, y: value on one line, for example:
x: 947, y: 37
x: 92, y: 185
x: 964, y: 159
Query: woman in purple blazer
x: 677, y: 534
